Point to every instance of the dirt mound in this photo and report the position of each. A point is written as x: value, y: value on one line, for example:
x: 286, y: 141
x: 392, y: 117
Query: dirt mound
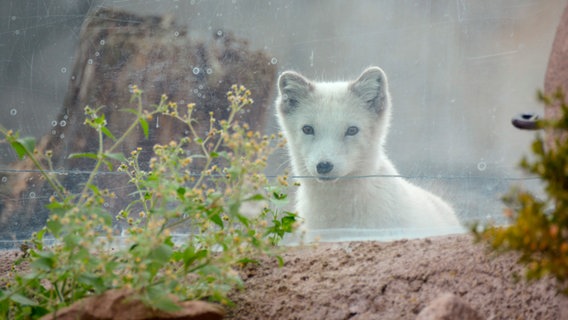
x: 396, y: 280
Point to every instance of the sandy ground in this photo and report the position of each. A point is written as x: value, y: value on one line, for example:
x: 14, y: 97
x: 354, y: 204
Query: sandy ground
x: 394, y: 280
x: 386, y: 280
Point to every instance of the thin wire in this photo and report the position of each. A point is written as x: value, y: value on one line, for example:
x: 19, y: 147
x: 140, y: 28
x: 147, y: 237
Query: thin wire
x: 432, y: 177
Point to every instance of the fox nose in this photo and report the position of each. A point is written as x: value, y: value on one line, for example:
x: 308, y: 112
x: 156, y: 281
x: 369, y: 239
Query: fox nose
x: 324, y: 167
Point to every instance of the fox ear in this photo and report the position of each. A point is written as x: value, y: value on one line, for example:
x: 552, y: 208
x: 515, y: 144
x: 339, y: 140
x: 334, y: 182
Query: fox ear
x: 293, y: 88
x: 372, y: 87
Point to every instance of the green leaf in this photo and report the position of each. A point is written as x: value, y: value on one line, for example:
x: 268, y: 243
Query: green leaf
x: 144, y: 125
x: 280, y: 261
x: 23, y: 146
x: 224, y: 154
x: 4, y: 304
x: 256, y: 197
x: 118, y: 156
x: 88, y: 155
x: 33, y: 275
x: 22, y: 300
x: 54, y: 227
x: 58, y: 208
x: 181, y: 193
x: 234, y: 208
x: 279, y: 196
x: 216, y: 218
x: 160, y: 299
x: 162, y: 253
x: 189, y: 256
x: 40, y: 234
x: 107, y: 133
x: 246, y: 261
x: 38, y: 239
x: 92, y: 281
x: 244, y: 220
x: 44, y: 262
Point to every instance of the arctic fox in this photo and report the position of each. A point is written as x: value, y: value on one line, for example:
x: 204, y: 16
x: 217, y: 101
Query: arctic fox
x: 336, y: 132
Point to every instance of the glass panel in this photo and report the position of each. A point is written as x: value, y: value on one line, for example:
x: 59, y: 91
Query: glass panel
x: 458, y: 71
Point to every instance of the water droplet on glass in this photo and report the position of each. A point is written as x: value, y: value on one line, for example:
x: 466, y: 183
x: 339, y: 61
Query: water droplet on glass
x: 195, y: 70
x: 195, y: 91
x: 97, y: 54
x: 53, y: 123
x: 32, y: 195
x: 73, y: 77
x: 53, y: 132
x: 274, y: 61
x: 13, y: 18
x: 481, y: 166
x: 209, y: 71
x: 63, y: 70
x: 200, y: 87
x: 176, y: 34
x: 63, y: 123
x: 90, y: 61
x: 62, y: 136
x: 17, y: 32
x: 65, y: 117
x: 4, y: 179
x: 102, y: 42
x: 13, y: 112
x: 220, y: 33
x: 106, y: 205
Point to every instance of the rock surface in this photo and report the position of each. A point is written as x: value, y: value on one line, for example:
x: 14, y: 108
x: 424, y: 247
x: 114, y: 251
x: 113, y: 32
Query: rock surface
x: 448, y: 306
x: 115, y: 305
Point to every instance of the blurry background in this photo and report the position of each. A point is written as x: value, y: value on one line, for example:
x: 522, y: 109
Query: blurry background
x: 458, y: 70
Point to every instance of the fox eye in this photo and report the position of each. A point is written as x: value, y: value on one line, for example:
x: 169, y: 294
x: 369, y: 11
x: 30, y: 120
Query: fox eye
x: 309, y: 130
x: 351, y: 131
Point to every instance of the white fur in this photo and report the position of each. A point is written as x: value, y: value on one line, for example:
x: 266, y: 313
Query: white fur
x: 342, y: 198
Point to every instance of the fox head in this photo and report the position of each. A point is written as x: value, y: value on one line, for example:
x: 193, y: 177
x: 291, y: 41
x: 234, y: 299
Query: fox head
x: 334, y: 129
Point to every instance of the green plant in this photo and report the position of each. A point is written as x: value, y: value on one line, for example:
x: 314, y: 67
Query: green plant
x: 206, y: 204
x: 539, y: 227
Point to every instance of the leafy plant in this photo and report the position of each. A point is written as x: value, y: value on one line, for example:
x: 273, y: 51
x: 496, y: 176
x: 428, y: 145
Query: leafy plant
x: 539, y: 227
x: 204, y: 204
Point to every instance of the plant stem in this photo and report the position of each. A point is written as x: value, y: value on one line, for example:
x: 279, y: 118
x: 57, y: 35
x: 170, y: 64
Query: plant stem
x: 101, y: 152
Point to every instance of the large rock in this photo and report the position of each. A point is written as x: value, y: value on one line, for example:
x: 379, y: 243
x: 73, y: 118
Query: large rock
x: 448, y: 306
x: 118, y: 49
x: 118, y: 305
x: 557, y: 71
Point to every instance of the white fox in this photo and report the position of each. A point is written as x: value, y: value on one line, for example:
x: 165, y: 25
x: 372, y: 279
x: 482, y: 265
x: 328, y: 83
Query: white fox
x: 336, y: 132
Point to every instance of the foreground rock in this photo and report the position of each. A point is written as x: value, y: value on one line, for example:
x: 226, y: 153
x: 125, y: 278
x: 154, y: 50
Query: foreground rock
x: 448, y: 307
x: 115, y: 305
